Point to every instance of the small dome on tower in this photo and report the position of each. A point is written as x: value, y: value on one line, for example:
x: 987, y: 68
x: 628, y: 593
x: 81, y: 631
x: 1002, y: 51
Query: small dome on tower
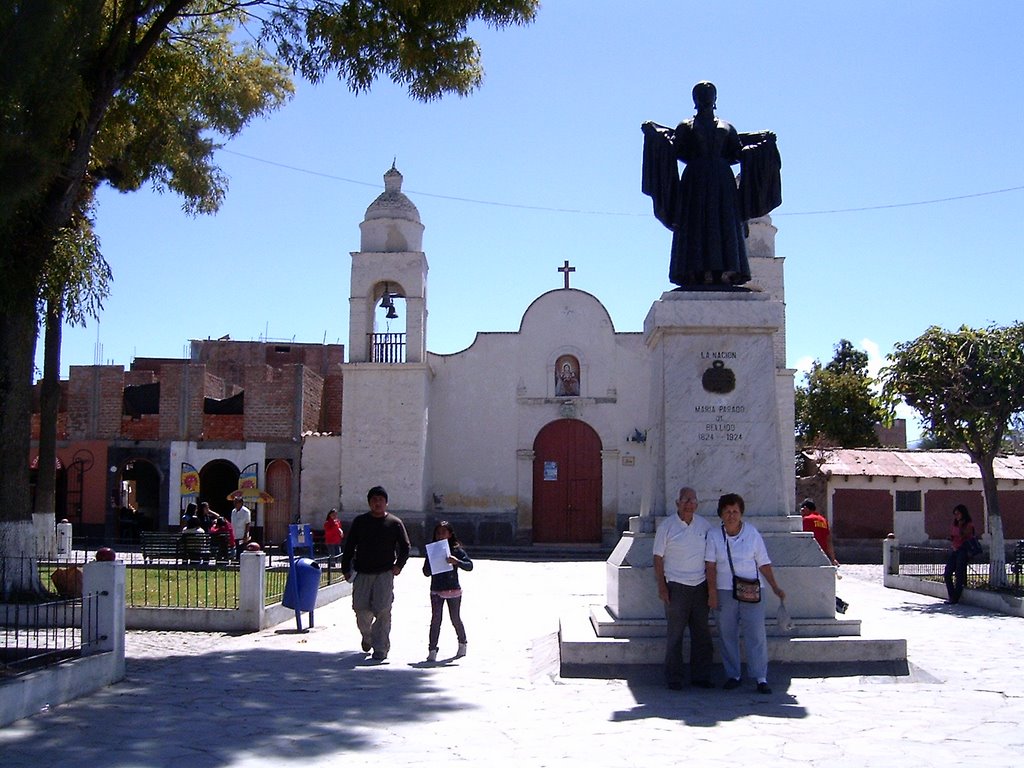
x: 392, y: 202
x: 392, y: 223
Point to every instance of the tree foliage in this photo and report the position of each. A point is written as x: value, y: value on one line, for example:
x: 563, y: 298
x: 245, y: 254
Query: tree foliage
x: 932, y: 442
x: 968, y: 386
x: 1013, y: 440
x: 836, y: 405
x: 96, y: 91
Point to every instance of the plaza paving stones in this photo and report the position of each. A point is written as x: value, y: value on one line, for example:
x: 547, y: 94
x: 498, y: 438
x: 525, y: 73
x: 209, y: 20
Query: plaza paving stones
x: 281, y: 698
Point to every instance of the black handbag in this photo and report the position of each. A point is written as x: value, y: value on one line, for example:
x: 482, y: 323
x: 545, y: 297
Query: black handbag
x: 972, y: 547
x: 743, y: 590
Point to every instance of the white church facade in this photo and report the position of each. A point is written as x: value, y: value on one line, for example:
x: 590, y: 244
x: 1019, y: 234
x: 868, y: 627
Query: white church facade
x: 533, y: 436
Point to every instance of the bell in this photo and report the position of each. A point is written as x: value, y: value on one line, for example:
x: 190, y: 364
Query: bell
x: 392, y: 314
x: 385, y: 301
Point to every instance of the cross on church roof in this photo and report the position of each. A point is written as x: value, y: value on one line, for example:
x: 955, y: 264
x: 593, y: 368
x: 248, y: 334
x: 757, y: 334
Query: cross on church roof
x: 565, y: 269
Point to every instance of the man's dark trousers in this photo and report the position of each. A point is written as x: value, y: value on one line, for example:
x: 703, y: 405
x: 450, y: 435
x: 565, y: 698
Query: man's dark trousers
x: 687, y: 608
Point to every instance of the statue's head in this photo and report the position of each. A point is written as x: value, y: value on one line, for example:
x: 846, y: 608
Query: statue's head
x: 705, y: 95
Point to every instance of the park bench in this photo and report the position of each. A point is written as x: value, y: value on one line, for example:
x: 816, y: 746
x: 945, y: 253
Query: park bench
x: 188, y: 547
x: 222, y: 546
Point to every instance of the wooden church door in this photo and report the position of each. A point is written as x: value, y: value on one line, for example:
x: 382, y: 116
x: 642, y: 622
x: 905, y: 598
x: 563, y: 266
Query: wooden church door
x: 279, y: 514
x: 567, y: 484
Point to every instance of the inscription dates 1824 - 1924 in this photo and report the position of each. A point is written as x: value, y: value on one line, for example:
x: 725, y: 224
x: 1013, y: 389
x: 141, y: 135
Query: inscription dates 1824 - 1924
x: 721, y: 428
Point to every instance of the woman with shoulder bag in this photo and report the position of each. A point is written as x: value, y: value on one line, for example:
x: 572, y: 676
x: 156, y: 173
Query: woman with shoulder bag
x: 736, y: 560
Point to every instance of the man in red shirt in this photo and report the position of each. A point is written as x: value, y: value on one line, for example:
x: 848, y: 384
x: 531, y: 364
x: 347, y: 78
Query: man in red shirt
x: 818, y: 525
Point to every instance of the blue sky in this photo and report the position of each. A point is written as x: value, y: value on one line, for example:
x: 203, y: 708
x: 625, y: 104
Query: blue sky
x: 876, y: 105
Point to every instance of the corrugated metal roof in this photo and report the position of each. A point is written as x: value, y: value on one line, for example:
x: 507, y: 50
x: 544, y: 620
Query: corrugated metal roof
x: 880, y: 462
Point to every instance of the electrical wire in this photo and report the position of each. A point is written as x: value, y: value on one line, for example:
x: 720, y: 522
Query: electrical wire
x: 582, y: 211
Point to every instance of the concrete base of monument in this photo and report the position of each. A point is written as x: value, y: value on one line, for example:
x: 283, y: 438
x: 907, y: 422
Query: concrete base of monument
x: 629, y: 630
x: 604, y: 624
x: 593, y: 644
x: 799, y: 565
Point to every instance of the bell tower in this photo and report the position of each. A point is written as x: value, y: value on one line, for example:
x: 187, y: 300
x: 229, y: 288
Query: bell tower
x: 387, y: 379
x: 390, y: 269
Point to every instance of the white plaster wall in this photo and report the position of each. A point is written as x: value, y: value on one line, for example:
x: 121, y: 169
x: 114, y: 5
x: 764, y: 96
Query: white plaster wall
x: 391, y: 234
x: 197, y: 454
x: 407, y: 273
x: 786, y: 401
x: 320, y: 478
x: 384, y: 434
x: 910, y: 528
x: 489, y: 401
x: 768, y: 276
x: 761, y: 238
x: 473, y: 432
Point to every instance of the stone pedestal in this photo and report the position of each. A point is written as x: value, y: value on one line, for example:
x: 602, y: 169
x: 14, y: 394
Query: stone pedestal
x: 714, y: 406
x: 714, y: 425
x: 721, y: 421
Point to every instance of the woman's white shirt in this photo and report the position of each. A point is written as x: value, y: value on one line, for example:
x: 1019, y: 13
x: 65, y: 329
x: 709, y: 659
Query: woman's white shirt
x: 748, y: 554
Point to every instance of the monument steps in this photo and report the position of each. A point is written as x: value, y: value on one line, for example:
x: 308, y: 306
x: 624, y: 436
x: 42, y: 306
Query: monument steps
x: 585, y: 653
x: 606, y: 625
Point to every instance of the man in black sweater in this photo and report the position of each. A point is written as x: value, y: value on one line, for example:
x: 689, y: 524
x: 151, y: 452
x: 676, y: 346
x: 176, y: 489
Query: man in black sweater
x: 378, y: 546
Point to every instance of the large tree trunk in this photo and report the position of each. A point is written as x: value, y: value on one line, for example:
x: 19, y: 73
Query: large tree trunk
x: 27, y: 233
x: 18, y: 328
x: 997, y: 546
x: 44, y: 513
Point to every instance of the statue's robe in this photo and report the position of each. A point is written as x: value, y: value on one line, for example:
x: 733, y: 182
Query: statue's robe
x: 703, y: 207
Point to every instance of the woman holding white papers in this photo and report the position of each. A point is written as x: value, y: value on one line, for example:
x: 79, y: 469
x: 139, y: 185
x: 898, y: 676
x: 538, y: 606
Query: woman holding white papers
x: 445, y: 556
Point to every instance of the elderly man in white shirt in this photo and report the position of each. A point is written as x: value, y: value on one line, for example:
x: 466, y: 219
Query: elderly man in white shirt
x: 682, y: 586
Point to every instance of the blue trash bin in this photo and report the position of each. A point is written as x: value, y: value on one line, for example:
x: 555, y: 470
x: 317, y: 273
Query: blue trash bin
x: 301, y: 587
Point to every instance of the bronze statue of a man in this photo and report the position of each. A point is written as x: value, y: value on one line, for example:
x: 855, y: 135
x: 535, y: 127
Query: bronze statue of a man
x: 705, y: 210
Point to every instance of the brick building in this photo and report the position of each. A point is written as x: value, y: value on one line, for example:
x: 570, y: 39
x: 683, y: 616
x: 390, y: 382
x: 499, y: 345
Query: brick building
x: 125, y: 436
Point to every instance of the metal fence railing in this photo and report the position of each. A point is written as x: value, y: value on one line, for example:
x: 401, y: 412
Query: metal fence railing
x: 387, y: 347
x: 171, y: 583
x: 178, y: 585
x: 277, y: 576
x: 159, y: 583
x: 40, y: 634
x: 929, y: 563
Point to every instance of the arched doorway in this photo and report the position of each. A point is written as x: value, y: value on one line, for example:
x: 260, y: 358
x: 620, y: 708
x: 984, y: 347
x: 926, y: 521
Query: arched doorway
x: 217, y: 479
x: 139, y: 508
x: 278, y: 514
x: 62, y: 510
x: 567, y: 484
